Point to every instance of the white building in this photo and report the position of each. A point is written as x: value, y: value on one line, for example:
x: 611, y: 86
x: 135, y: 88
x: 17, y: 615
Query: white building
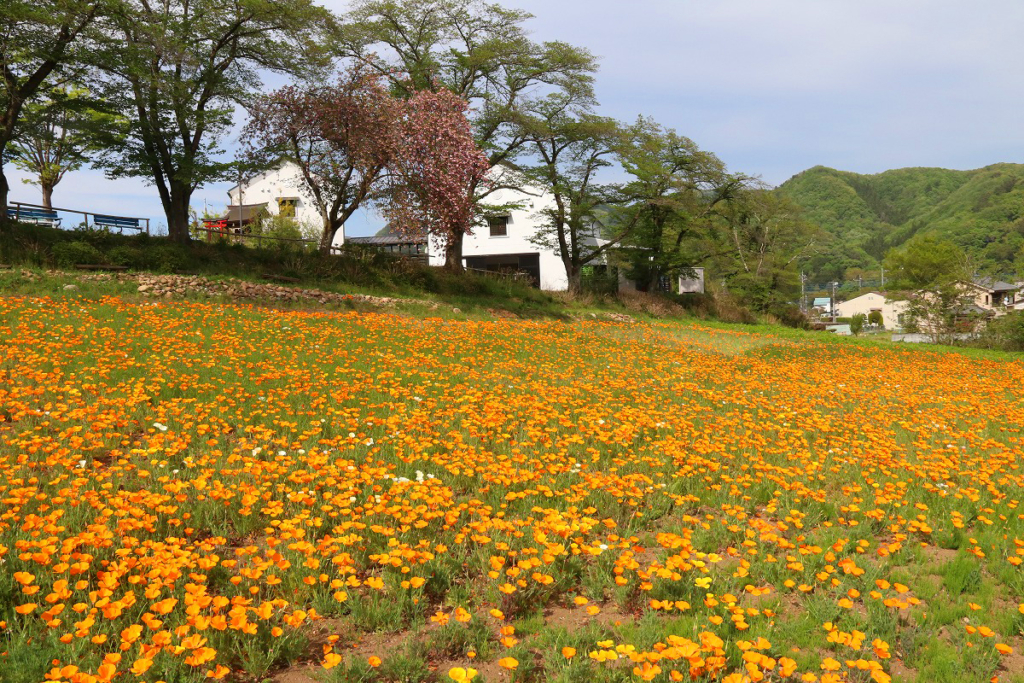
x: 865, y: 304
x: 278, y: 192
x: 505, y: 242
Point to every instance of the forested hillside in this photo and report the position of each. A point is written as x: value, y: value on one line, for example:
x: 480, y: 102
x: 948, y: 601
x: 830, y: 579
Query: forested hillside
x: 864, y: 216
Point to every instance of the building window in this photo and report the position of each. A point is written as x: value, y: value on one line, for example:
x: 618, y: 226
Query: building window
x: 498, y: 226
x: 286, y: 207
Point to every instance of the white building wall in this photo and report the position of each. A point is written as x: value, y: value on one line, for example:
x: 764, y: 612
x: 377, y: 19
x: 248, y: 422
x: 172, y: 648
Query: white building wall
x: 523, y: 224
x: 284, y: 182
x: 864, y: 304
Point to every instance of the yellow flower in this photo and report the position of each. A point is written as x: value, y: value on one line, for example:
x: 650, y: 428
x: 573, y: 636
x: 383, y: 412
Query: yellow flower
x: 460, y: 675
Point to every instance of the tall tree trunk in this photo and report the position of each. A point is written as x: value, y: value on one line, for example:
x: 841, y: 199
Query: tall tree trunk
x: 453, y: 252
x: 4, y: 189
x: 327, y: 236
x: 574, y: 273
x: 47, y: 188
x: 177, y: 212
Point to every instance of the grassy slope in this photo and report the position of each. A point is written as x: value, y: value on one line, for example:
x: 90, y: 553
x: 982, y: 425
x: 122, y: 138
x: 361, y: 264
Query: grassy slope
x: 868, y: 214
x: 358, y: 272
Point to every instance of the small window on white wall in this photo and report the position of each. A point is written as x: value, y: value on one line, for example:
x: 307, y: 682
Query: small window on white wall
x: 498, y: 226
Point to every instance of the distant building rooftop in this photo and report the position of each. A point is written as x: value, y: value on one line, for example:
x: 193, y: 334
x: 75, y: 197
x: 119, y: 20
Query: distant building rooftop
x: 992, y: 284
x: 388, y: 240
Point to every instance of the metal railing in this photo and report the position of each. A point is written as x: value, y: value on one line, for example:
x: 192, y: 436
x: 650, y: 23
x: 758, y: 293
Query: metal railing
x: 17, y: 206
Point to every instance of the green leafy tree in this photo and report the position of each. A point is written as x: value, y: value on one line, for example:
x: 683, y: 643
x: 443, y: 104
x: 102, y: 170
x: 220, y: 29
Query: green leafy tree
x: 178, y: 68
x: 480, y: 51
x: 875, y: 318
x: 925, y: 260
x: 756, y: 242
x: 38, y: 39
x: 59, y: 132
x: 572, y: 146
x: 857, y: 323
x: 674, y: 187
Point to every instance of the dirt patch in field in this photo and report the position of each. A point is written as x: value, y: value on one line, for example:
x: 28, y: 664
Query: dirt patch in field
x: 573, y: 619
x: 1013, y: 663
x: 939, y: 555
x: 298, y: 674
x: 901, y: 673
x: 791, y: 606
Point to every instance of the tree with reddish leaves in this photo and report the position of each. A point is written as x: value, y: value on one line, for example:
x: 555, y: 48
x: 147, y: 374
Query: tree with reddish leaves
x: 434, y: 166
x: 341, y: 136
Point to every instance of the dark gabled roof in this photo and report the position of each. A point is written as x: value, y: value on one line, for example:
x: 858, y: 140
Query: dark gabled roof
x: 386, y: 240
x: 995, y: 285
x: 249, y: 211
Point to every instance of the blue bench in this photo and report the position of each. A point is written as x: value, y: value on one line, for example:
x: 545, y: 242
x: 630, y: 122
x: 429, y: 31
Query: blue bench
x: 115, y: 222
x: 27, y: 214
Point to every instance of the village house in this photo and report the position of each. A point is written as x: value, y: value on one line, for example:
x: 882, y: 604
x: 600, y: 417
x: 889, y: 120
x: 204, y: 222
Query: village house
x: 505, y: 241
x: 993, y: 296
x: 274, y: 192
x: 892, y: 311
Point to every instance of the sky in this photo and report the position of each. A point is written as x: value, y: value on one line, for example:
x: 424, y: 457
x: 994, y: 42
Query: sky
x: 773, y: 87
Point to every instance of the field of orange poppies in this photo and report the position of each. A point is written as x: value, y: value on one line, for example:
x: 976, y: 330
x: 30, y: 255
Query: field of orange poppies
x: 195, y: 491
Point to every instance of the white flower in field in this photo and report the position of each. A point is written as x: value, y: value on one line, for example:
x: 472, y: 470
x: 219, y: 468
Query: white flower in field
x: 302, y: 451
x: 282, y: 452
x: 351, y: 435
x: 603, y: 546
x: 174, y: 471
x: 369, y: 442
x: 417, y: 399
x: 161, y: 427
x: 256, y: 451
x: 81, y: 465
x: 352, y: 499
x: 351, y: 468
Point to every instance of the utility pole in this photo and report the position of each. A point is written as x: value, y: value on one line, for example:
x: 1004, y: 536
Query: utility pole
x: 240, y: 199
x: 883, y: 278
x: 803, y: 292
x: 833, y: 302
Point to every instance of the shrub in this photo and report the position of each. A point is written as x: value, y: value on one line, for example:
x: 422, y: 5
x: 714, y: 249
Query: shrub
x: 791, y: 316
x: 857, y: 323
x: 67, y: 254
x: 168, y: 258
x: 124, y: 255
x: 1005, y: 333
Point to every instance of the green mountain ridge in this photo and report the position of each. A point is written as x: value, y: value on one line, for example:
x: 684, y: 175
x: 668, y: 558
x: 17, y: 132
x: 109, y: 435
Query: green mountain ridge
x: 863, y: 216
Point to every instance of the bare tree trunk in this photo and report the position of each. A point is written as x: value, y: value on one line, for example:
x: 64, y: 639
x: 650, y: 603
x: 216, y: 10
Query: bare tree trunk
x: 453, y: 253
